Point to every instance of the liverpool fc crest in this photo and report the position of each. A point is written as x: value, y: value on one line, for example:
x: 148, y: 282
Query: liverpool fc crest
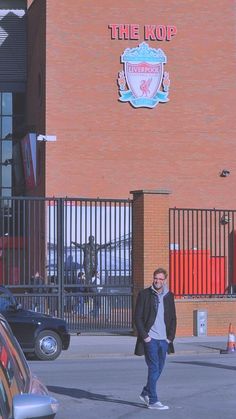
x: 143, y: 73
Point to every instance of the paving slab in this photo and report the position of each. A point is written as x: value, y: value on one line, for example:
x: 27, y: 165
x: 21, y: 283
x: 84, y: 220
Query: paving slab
x: 91, y: 346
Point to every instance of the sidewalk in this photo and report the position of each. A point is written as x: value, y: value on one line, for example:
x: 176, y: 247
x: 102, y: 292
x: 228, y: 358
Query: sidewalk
x: 90, y: 346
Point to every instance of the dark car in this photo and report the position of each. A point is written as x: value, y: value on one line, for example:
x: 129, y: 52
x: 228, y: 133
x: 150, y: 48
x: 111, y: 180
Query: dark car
x: 22, y: 394
x: 42, y: 335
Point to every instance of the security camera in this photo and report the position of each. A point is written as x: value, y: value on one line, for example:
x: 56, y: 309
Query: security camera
x: 225, y: 173
x: 225, y: 219
x: 44, y: 137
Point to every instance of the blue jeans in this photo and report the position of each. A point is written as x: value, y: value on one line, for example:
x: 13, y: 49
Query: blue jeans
x: 155, y: 356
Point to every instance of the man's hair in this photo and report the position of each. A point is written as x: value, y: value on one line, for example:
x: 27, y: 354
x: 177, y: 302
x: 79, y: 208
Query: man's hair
x: 160, y: 271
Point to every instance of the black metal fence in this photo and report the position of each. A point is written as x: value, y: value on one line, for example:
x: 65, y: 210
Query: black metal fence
x: 202, y: 252
x: 70, y: 258
x: 73, y: 257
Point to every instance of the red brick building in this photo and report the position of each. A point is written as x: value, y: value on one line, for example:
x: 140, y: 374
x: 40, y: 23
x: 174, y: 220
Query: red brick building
x: 182, y: 145
x: 107, y: 148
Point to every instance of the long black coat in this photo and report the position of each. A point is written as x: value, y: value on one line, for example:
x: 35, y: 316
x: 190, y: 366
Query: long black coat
x: 145, y: 315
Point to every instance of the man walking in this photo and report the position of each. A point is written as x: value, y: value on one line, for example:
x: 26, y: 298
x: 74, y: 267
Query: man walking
x: 155, y: 320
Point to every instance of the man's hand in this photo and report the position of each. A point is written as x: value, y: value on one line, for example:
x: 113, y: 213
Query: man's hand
x: 148, y: 339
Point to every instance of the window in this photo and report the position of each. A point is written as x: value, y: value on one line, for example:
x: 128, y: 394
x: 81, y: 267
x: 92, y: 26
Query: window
x: 19, y: 365
x: 4, y: 398
x: 12, y: 112
x: 14, y: 377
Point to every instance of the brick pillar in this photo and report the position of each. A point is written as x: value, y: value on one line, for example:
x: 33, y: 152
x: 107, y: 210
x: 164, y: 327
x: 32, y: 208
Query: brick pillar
x: 150, y: 235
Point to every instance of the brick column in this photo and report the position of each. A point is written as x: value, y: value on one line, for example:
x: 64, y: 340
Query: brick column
x: 150, y: 235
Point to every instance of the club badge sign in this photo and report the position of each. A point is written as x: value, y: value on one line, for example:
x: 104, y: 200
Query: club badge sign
x: 143, y: 81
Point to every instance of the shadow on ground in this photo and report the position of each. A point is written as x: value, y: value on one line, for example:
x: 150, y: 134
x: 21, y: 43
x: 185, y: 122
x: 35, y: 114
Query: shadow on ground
x: 211, y: 347
x: 206, y: 364
x: 77, y: 393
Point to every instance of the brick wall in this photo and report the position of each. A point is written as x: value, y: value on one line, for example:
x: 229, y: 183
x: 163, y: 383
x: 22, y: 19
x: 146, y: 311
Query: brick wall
x: 111, y: 148
x: 150, y: 235
x: 220, y: 312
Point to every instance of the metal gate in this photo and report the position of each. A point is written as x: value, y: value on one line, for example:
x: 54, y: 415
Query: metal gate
x: 70, y: 258
x: 202, y: 252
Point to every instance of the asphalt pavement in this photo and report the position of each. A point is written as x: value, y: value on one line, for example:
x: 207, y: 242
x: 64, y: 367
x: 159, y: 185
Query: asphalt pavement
x: 95, y: 346
x: 99, y: 376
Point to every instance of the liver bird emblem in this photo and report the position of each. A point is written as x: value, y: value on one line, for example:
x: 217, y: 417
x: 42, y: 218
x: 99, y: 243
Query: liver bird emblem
x: 144, y: 87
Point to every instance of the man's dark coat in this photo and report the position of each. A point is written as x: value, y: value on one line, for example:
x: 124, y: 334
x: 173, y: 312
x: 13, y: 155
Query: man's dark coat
x: 145, y: 315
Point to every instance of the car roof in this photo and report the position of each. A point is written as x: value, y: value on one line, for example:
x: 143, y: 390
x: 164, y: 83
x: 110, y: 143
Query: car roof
x: 5, y: 290
x: 2, y: 318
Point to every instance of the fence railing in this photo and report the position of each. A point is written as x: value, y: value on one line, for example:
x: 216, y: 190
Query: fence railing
x: 47, y: 243
x: 202, y: 252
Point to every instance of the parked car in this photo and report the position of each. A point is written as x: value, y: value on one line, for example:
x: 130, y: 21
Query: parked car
x: 42, y: 335
x: 22, y: 395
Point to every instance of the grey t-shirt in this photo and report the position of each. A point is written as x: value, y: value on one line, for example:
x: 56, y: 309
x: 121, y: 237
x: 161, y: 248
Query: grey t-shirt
x: 158, y: 330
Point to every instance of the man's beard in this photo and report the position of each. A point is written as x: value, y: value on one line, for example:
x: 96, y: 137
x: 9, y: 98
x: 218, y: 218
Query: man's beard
x: 156, y: 288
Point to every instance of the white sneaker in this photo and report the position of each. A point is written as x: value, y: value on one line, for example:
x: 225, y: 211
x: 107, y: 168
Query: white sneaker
x: 145, y: 399
x: 158, y: 405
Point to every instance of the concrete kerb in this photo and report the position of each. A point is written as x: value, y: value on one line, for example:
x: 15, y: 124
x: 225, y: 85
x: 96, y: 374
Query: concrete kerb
x: 103, y: 346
